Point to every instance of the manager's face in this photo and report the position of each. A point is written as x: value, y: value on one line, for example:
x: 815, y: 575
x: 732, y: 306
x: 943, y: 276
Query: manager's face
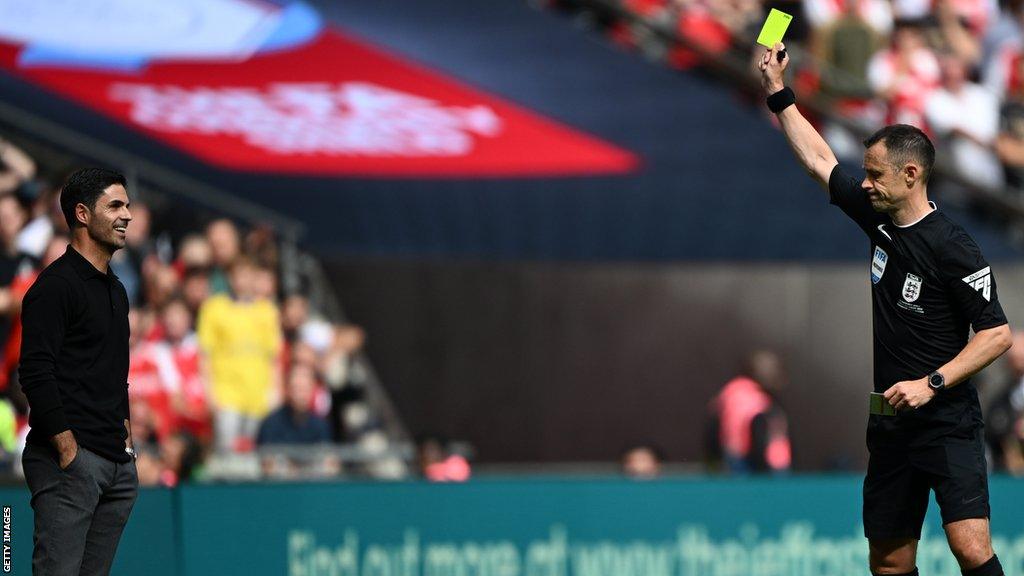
x: 108, y: 220
x: 883, y: 183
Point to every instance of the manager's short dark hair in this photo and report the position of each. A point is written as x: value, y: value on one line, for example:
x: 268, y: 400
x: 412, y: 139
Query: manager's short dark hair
x: 905, y: 143
x: 84, y: 187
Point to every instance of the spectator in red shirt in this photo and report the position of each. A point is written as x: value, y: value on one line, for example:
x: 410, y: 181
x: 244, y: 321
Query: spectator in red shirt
x: 904, y: 75
x: 153, y: 377
x: 192, y: 402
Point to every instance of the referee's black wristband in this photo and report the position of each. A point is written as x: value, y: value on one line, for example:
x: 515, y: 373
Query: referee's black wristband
x: 781, y: 100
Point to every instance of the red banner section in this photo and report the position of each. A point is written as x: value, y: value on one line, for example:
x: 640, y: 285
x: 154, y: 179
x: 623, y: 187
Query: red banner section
x: 333, y: 106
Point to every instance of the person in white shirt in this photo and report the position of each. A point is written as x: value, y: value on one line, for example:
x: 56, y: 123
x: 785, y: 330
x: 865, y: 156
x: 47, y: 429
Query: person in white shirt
x: 966, y: 116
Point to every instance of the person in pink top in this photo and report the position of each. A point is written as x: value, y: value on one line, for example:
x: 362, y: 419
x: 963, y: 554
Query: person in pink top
x: 748, y: 429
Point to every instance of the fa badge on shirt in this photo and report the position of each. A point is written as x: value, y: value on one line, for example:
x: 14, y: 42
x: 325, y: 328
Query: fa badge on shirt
x: 878, y: 264
x: 911, y: 288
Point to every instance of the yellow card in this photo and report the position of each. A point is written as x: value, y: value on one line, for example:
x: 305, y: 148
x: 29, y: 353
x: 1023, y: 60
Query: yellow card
x: 774, y: 28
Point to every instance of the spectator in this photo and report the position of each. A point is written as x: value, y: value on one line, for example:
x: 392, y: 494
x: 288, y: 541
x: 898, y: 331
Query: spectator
x: 438, y: 464
x: 914, y: 11
x: 875, y: 14
x: 1004, y: 421
x: 12, y: 262
x: 345, y: 379
x: 11, y: 354
x: 1002, y: 73
x: 144, y: 425
x: 195, y: 289
x: 844, y: 49
x: 965, y: 116
x: 962, y: 25
x: 181, y: 457
x: 16, y: 167
x: 192, y: 403
x: 295, y: 422
x: 153, y: 377
x: 225, y: 245
x: 1010, y: 142
x: 642, y: 462
x: 162, y: 284
x: 240, y: 337
x: 748, y: 430
x: 904, y: 75
x: 265, y: 283
x: 193, y: 253
x: 36, y: 234
x: 261, y: 245
x: 128, y: 263
x: 149, y: 467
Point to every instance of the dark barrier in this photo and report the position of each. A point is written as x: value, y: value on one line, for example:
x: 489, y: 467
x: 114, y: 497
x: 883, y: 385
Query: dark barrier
x: 799, y: 526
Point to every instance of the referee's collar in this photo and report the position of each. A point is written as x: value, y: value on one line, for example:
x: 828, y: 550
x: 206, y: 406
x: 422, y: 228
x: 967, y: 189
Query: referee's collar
x: 84, y: 268
x: 934, y: 209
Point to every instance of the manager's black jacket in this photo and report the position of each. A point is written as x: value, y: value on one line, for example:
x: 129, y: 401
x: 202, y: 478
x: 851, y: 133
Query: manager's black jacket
x: 74, y: 356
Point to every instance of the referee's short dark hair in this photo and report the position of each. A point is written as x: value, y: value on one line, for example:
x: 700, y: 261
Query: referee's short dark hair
x: 905, y: 143
x: 85, y: 186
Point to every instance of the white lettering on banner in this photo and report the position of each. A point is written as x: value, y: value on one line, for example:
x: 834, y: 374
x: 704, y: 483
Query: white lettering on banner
x: 796, y: 550
x: 344, y: 119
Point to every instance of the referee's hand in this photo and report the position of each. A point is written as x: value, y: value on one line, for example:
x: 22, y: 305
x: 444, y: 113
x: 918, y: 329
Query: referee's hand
x: 772, y: 70
x: 909, y: 394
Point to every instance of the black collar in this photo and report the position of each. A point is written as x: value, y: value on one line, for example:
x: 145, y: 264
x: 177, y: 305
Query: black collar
x: 83, y: 267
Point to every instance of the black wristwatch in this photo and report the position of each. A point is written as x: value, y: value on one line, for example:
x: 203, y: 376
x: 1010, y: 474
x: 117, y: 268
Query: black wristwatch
x: 936, y: 381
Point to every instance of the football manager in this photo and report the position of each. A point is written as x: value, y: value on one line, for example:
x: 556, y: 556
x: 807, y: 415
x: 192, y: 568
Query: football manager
x: 930, y: 285
x: 79, y: 460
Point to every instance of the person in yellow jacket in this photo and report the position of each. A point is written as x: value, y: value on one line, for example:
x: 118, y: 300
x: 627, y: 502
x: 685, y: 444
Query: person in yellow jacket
x: 240, y: 336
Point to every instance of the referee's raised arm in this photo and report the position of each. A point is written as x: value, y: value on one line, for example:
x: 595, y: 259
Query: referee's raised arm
x: 810, y: 148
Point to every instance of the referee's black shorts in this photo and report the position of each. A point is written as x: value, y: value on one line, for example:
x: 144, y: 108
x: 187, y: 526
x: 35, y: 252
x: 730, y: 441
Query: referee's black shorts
x: 898, y: 481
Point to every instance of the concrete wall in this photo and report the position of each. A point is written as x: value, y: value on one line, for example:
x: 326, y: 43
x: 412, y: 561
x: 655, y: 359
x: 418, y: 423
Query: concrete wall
x: 549, y: 362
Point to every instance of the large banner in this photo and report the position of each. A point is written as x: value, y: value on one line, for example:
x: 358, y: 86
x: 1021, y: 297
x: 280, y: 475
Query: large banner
x: 262, y: 86
x: 805, y: 526
x: 777, y: 527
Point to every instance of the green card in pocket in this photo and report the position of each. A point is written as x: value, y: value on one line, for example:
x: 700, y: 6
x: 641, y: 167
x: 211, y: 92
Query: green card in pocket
x: 880, y: 406
x: 774, y: 28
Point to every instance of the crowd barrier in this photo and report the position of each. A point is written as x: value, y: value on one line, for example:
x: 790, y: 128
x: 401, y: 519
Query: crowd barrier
x: 796, y: 526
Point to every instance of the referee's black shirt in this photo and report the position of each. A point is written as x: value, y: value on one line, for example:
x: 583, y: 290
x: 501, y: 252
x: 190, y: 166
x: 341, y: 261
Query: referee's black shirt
x: 74, y: 356
x: 929, y: 286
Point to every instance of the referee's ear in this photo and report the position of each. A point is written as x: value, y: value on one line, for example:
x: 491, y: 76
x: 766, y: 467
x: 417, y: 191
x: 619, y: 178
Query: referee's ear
x: 911, y: 174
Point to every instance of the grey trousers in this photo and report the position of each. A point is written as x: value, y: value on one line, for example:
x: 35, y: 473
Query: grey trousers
x: 80, y: 511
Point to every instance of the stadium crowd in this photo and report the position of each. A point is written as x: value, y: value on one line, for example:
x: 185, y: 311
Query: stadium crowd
x: 954, y: 68
x: 221, y: 362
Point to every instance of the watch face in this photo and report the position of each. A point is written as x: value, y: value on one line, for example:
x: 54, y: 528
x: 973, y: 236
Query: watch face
x: 936, y: 381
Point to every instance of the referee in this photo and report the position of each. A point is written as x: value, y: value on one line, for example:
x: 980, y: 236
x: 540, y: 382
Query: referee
x: 929, y: 285
x: 79, y: 461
